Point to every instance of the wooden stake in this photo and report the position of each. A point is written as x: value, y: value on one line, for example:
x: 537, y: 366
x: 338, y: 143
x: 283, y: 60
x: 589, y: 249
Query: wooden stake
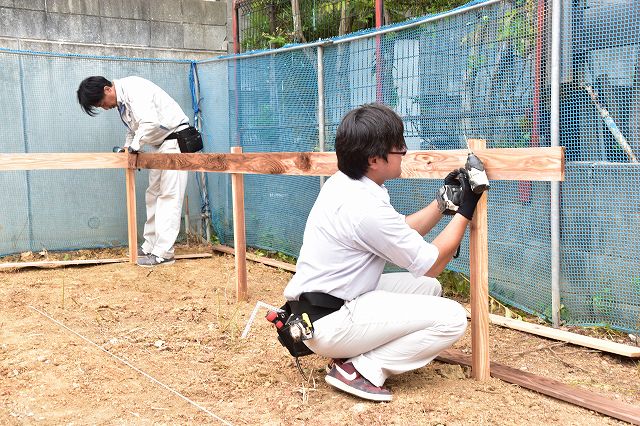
x: 479, y: 272
x: 239, y: 236
x: 131, y: 214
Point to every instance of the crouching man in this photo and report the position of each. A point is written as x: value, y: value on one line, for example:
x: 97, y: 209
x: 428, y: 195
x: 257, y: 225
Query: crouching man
x: 375, y: 325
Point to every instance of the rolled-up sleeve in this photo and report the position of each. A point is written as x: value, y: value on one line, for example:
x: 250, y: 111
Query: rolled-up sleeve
x: 385, y: 233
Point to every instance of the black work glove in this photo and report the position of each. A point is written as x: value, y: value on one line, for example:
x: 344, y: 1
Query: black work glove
x: 448, y: 198
x: 132, y: 151
x: 449, y: 195
x: 469, y: 198
x: 452, y: 178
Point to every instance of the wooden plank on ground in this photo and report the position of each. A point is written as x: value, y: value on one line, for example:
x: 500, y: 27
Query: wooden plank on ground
x: 67, y: 161
x: 553, y: 388
x: 63, y: 263
x: 261, y: 259
x: 59, y: 263
x: 539, y: 164
x: 567, y: 336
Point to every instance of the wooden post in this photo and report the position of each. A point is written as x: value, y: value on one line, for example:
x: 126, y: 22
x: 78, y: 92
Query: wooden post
x: 239, y: 236
x: 479, y: 277
x: 131, y: 214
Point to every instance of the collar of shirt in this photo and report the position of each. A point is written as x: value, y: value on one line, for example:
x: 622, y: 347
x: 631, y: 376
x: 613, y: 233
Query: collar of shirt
x: 120, y: 104
x: 379, y: 191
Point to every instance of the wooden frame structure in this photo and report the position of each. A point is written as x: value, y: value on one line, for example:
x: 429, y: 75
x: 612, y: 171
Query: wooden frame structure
x: 533, y: 164
x: 537, y: 164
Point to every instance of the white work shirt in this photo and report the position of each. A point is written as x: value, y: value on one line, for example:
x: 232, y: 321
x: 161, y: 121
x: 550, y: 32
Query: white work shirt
x: 351, y: 232
x: 149, y: 113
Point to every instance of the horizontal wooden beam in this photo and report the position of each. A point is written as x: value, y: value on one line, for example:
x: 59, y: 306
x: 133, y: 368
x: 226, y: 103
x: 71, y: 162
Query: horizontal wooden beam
x: 539, y: 164
x: 553, y: 388
x: 266, y: 163
x: 58, y: 161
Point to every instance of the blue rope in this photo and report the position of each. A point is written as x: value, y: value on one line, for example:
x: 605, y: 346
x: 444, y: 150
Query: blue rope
x: 195, y: 104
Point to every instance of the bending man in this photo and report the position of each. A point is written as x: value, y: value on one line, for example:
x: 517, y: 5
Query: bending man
x: 152, y: 118
x: 387, y: 323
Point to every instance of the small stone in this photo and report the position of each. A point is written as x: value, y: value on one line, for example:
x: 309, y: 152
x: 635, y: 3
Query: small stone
x: 159, y: 344
x: 451, y: 372
x: 359, y: 408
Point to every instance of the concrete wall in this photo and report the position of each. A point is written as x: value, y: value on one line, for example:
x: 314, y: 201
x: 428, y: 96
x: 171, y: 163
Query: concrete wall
x: 184, y: 29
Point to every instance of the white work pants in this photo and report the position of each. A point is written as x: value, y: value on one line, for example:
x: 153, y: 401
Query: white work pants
x: 400, y: 326
x: 164, y: 206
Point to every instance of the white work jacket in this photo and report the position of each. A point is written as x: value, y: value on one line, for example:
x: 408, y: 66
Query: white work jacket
x: 147, y: 111
x: 351, y: 232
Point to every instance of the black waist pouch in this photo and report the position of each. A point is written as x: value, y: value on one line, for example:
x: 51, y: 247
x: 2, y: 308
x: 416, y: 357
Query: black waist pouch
x: 189, y: 140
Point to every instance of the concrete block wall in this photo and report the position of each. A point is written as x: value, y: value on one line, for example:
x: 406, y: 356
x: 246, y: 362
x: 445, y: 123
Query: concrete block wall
x: 182, y: 29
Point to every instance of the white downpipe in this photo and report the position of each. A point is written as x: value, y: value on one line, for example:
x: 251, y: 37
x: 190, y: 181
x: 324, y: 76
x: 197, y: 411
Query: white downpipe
x: 556, y: 53
x: 321, y: 111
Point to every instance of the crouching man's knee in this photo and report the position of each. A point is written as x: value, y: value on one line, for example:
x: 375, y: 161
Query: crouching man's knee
x: 458, y: 319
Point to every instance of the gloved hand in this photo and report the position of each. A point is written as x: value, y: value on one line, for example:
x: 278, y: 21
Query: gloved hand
x: 452, y: 178
x: 449, y: 195
x: 469, y: 198
x: 118, y: 149
x: 132, y: 151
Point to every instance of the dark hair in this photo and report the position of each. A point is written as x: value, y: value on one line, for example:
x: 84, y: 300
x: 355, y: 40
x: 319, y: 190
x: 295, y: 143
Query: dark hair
x: 91, y: 92
x: 371, y: 130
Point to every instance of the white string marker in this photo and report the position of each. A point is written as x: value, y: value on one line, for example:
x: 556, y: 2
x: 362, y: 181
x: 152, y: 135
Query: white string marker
x: 135, y: 368
x: 253, y: 316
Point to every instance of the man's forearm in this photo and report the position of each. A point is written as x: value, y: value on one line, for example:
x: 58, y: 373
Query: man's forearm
x: 424, y: 220
x: 447, y: 243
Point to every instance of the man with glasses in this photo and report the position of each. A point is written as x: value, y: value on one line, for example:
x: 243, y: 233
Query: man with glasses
x: 375, y: 325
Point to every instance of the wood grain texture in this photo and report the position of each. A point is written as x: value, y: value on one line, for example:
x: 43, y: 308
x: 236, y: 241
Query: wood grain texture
x: 132, y: 223
x: 239, y: 232
x: 479, y: 277
x: 540, y: 164
x: 267, y: 163
x: 583, y: 398
x: 56, y: 161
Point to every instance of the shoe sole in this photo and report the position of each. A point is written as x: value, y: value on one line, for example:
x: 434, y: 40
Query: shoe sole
x: 170, y: 262
x: 336, y: 383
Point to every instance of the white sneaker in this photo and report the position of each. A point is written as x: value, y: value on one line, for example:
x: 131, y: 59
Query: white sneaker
x: 151, y: 260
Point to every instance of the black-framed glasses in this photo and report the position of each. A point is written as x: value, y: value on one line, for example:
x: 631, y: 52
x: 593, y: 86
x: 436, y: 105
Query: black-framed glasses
x: 403, y: 153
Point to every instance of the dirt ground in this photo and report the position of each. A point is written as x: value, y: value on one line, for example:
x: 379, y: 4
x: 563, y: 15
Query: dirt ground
x: 175, y: 331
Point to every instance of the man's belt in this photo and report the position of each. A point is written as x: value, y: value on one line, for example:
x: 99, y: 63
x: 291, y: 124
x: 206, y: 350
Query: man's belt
x: 189, y: 139
x: 315, y: 304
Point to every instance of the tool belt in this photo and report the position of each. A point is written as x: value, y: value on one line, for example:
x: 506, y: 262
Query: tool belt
x: 189, y: 139
x: 316, y: 305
